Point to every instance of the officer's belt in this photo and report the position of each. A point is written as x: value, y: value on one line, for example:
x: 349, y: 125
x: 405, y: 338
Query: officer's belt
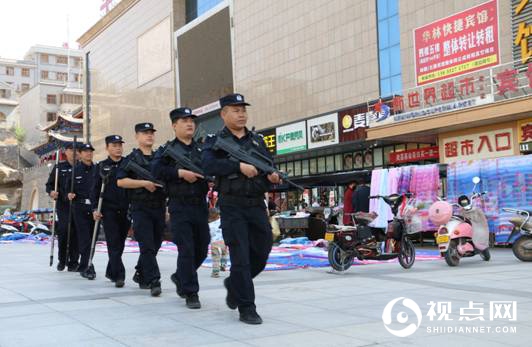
x: 192, y: 200
x: 241, y: 200
x: 83, y: 201
x: 148, y: 204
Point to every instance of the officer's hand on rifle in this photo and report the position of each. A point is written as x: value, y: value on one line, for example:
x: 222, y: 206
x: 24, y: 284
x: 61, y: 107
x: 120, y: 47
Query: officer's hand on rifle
x: 189, y: 176
x: 54, y: 195
x: 274, y: 178
x: 71, y: 196
x: 150, y: 186
x: 97, y: 215
x: 249, y: 171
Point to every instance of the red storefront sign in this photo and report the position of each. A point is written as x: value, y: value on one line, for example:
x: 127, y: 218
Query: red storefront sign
x: 461, y: 43
x: 414, y: 155
x: 352, y: 124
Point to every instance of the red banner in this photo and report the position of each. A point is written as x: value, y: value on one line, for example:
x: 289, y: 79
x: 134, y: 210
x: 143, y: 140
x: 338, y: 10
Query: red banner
x: 413, y: 155
x: 461, y: 43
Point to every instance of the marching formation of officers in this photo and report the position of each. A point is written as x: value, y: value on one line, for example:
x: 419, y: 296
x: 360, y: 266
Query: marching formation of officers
x: 139, y: 188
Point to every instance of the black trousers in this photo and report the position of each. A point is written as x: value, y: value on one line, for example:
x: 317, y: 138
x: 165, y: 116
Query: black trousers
x: 116, y: 225
x: 84, y: 226
x: 248, y: 233
x: 62, y: 209
x: 148, y: 225
x: 190, y: 229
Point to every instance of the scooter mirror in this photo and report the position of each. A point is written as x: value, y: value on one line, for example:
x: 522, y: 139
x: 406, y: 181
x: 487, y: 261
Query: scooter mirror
x: 476, y: 180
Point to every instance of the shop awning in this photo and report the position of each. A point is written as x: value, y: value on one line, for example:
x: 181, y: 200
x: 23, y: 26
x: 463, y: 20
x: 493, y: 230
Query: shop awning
x: 327, y: 180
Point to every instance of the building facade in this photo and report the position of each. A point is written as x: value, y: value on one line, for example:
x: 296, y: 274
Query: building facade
x: 337, y: 88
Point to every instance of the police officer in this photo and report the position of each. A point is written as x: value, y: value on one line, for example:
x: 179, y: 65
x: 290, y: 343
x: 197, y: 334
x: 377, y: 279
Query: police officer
x: 148, y: 209
x: 82, y: 207
x: 114, y: 212
x: 244, y: 221
x: 63, y: 210
x: 187, y: 191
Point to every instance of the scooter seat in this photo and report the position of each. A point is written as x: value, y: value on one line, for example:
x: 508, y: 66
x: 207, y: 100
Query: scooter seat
x: 517, y: 221
x: 366, y: 217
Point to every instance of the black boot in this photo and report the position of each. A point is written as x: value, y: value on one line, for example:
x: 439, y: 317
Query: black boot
x: 89, y: 273
x: 177, y: 286
x: 119, y: 283
x: 229, y: 300
x: 73, y: 267
x: 155, y: 288
x: 137, y: 278
x: 60, y: 266
x: 250, y: 316
x: 193, y: 301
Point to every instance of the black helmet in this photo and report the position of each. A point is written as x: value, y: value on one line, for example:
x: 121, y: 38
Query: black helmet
x: 464, y: 201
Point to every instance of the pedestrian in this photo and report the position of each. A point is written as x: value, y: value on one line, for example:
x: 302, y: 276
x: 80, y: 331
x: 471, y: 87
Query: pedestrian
x: 147, y: 204
x: 63, y: 210
x: 114, y: 210
x: 82, y: 207
x: 187, y: 204
x: 360, y: 198
x: 244, y: 219
x: 219, y: 250
x: 348, y: 204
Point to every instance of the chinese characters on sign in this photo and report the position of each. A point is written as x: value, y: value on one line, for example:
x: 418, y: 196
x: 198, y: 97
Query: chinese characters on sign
x: 481, y: 145
x: 353, y: 124
x: 414, y: 155
x: 521, y: 10
x: 291, y: 138
x: 269, y: 140
x: 524, y: 135
x: 461, y: 43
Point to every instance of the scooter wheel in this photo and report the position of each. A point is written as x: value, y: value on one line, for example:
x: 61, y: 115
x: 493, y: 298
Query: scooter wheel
x: 522, y: 248
x: 407, y: 255
x: 485, y: 255
x: 338, y: 260
x: 452, y: 258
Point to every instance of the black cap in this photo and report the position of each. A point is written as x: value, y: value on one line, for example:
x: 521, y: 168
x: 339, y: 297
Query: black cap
x: 86, y: 147
x: 233, y: 99
x: 69, y: 145
x: 113, y: 139
x: 181, y: 112
x: 144, y: 127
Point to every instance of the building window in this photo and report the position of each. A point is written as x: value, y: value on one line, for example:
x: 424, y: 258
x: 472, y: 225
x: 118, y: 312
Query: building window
x: 51, y: 116
x: 24, y: 87
x: 304, y: 168
x: 4, y: 93
x: 389, y: 47
x: 44, y: 58
x: 77, y: 77
x: 62, y: 59
x: 71, y: 99
x: 51, y: 99
x: 76, y: 62
x: 44, y: 75
x: 62, y: 76
x: 10, y: 70
x: 25, y: 72
x: 195, y: 8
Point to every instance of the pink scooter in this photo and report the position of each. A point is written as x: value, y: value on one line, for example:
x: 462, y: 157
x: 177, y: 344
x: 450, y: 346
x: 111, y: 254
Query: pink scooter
x: 464, y: 234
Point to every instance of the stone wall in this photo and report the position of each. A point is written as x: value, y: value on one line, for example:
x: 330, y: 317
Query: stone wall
x: 33, y: 190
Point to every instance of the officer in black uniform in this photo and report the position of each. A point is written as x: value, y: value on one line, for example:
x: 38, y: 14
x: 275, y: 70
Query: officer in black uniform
x: 114, y: 212
x: 244, y: 220
x: 187, y: 191
x: 148, y: 209
x: 83, y: 220
x: 63, y: 209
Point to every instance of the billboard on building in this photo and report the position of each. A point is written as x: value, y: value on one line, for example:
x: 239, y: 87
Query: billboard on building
x: 463, y: 42
x: 269, y: 139
x: 352, y: 124
x: 291, y: 138
x: 323, y: 131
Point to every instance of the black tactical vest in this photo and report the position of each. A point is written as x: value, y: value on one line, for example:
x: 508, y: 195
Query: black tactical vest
x: 179, y: 188
x: 141, y: 194
x: 238, y: 184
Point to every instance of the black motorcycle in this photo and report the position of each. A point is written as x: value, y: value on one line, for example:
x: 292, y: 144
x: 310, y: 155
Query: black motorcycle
x: 522, y: 224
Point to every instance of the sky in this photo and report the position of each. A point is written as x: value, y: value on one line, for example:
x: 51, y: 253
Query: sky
x: 24, y: 23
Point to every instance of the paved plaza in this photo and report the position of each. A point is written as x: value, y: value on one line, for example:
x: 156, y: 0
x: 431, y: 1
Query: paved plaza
x: 306, y: 307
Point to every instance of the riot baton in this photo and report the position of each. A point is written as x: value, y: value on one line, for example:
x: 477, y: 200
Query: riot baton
x: 73, y: 176
x: 54, y: 207
x: 105, y: 177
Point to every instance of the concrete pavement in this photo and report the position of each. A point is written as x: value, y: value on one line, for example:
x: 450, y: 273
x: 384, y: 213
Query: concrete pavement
x: 308, y: 307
